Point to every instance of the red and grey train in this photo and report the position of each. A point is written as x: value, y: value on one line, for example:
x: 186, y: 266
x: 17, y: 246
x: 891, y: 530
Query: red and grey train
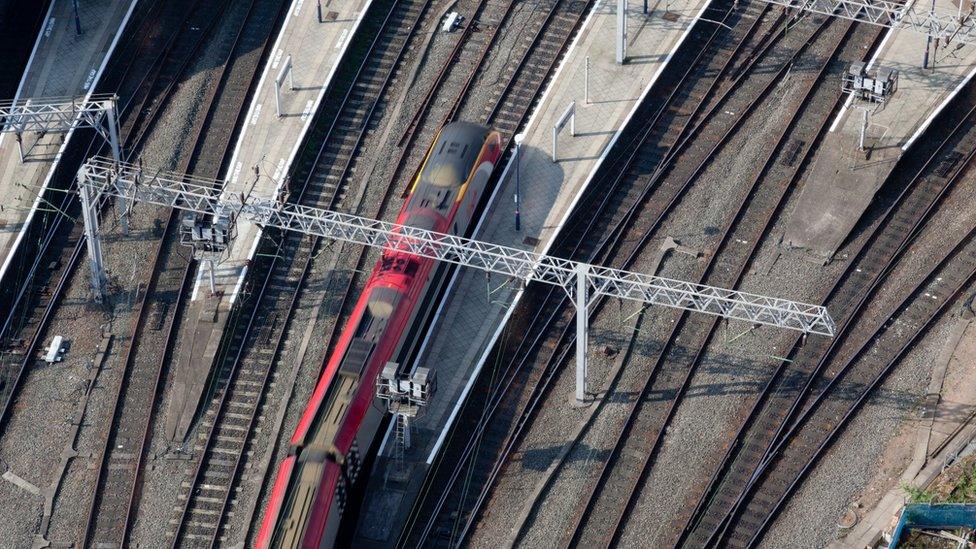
x: 341, y: 420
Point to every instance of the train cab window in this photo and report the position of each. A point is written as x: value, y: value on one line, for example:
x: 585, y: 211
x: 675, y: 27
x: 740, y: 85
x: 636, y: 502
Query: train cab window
x: 444, y: 175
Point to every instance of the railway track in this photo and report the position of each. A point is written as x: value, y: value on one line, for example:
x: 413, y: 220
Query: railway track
x: 59, y: 242
x: 121, y: 459
x: 257, y: 345
x: 506, y: 379
x: 621, y: 477
x: 785, y: 437
x: 651, y: 161
x: 541, y: 43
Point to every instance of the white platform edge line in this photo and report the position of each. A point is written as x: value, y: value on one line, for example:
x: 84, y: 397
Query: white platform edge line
x: 606, y: 150
x: 305, y: 127
x: 939, y: 109
x: 877, y: 53
x: 64, y: 145
x: 30, y: 60
x: 250, y: 111
x: 847, y: 102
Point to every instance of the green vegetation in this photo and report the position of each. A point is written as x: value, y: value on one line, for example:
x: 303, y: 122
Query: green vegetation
x: 918, y: 495
x: 959, y: 488
x: 965, y: 489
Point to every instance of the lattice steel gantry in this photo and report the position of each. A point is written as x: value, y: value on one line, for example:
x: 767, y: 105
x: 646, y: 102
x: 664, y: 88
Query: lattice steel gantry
x: 581, y: 281
x: 886, y: 13
x: 61, y: 115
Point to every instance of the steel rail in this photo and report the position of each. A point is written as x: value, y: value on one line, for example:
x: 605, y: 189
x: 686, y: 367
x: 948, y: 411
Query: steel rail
x: 210, y: 100
x: 867, y: 246
x: 165, y: 92
x: 67, y: 200
x: 592, y: 220
x: 740, y: 274
x: 784, y: 437
x: 237, y: 361
x: 875, y: 382
x: 608, y: 465
x: 333, y: 200
x: 521, y: 528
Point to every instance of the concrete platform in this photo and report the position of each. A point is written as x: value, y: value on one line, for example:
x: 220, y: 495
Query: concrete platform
x: 474, y: 312
x: 62, y: 64
x: 262, y: 156
x: 843, y: 179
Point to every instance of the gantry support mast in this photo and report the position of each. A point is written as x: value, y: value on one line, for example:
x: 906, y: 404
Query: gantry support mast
x: 582, y: 282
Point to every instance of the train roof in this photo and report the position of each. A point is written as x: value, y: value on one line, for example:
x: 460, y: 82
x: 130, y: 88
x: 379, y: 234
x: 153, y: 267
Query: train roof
x: 454, y: 153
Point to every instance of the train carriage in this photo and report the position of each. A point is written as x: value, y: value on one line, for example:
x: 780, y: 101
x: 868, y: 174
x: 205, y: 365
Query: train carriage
x: 341, y: 419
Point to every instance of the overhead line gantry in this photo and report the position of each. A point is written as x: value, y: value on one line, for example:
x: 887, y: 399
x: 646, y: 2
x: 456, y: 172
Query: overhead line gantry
x: 101, y: 176
x: 959, y: 26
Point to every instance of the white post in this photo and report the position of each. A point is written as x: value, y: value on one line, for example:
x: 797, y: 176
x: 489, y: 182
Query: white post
x: 213, y: 277
x: 572, y: 120
x: 582, y: 321
x: 406, y: 432
x: 621, y: 31
x: 278, y: 99
x: 285, y: 70
x: 93, y: 240
x: 555, y: 132
x: 864, y: 128
x: 113, y: 134
x: 113, y: 131
x: 586, y: 81
x: 568, y: 115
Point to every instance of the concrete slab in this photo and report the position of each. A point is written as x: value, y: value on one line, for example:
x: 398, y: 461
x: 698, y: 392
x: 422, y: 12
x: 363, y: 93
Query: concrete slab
x: 62, y: 64
x: 474, y: 311
x: 843, y: 179
x: 262, y: 156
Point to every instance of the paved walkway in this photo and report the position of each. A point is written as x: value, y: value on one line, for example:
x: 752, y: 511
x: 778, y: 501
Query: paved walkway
x: 262, y: 156
x: 474, y: 311
x: 63, y: 64
x: 843, y: 180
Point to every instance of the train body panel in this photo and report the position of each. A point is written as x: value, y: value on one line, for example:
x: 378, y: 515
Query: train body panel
x: 341, y: 419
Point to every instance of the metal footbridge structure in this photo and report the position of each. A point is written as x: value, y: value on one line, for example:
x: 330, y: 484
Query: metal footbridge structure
x: 103, y: 177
